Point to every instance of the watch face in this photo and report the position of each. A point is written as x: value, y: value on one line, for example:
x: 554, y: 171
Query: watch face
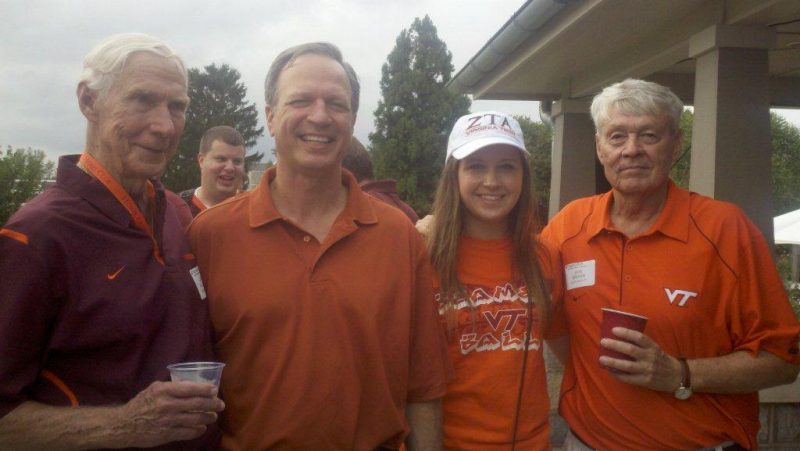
x: 683, y: 393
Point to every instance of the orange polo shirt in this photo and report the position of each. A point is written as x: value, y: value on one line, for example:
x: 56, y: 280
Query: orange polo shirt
x: 325, y: 343
x: 705, y: 278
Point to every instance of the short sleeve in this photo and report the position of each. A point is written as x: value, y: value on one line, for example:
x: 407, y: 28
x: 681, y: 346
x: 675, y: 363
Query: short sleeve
x: 763, y: 319
x: 429, y: 366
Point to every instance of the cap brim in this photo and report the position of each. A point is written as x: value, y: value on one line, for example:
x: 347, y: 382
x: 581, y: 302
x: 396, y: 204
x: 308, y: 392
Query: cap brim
x: 477, y: 144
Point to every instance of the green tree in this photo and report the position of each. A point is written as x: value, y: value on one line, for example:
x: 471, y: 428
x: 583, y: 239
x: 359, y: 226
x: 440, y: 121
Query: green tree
x: 785, y: 165
x: 217, y: 98
x: 539, y: 142
x: 415, y: 114
x: 680, y: 169
x: 22, y: 176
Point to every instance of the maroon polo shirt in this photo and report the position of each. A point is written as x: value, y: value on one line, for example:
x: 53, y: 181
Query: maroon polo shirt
x: 89, y: 313
x: 386, y: 190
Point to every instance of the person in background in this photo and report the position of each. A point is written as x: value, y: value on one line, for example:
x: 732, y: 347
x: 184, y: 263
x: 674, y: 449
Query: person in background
x: 720, y: 325
x: 99, y: 291
x: 493, y: 288
x: 221, y: 161
x: 358, y: 161
x: 320, y: 295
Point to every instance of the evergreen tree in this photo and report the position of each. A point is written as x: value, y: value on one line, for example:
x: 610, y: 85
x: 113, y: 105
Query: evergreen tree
x: 217, y: 98
x: 416, y: 113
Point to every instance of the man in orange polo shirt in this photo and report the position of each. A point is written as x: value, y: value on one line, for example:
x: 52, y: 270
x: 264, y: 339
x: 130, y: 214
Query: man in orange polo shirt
x: 320, y: 295
x: 98, y: 292
x: 221, y: 161
x: 720, y: 325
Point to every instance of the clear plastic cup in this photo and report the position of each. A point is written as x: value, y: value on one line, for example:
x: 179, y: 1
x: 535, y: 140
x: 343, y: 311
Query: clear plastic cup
x: 203, y: 372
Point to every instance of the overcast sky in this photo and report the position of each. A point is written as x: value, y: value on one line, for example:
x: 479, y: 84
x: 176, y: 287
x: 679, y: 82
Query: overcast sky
x: 42, y: 45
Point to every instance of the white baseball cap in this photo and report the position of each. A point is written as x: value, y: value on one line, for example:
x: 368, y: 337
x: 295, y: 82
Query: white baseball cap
x: 475, y: 131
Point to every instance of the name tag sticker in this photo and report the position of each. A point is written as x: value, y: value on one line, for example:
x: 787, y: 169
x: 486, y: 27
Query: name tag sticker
x: 580, y: 274
x: 195, y: 272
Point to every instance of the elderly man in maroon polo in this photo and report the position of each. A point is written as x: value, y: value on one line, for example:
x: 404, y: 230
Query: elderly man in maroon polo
x: 97, y: 294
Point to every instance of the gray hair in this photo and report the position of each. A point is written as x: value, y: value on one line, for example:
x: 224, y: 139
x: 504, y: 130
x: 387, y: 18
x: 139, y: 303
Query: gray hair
x: 638, y: 98
x: 318, y: 48
x: 107, y: 59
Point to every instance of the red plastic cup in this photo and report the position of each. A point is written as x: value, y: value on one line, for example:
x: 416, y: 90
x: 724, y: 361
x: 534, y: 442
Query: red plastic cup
x: 615, y: 318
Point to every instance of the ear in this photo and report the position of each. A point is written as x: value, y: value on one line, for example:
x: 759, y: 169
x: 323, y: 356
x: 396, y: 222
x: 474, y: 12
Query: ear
x: 270, y: 115
x: 600, y: 155
x: 200, y: 158
x: 87, y: 101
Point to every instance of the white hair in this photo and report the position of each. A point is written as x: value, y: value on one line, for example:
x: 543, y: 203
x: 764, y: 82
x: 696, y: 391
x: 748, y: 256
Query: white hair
x: 638, y: 98
x: 107, y: 59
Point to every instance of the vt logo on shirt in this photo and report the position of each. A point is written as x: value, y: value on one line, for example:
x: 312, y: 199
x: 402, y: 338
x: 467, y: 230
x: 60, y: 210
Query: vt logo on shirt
x: 493, y: 319
x: 683, y: 295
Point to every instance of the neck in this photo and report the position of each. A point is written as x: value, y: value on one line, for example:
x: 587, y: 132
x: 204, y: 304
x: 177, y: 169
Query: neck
x: 633, y: 215
x: 312, y: 202
x: 207, y: 197
x: 136, y: 187
x: 485, y: 231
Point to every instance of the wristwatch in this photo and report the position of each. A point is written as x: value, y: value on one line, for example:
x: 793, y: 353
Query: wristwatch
x: 684, y: 391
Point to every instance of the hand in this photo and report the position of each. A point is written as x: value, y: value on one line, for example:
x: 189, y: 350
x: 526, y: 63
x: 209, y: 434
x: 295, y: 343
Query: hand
x: 168, y: 411
x: 425, y: 225
x: 651, y: 368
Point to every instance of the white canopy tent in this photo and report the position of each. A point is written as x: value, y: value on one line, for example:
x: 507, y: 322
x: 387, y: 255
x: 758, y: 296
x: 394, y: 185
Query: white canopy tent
x: 787, y: 228
x: 787, y: 231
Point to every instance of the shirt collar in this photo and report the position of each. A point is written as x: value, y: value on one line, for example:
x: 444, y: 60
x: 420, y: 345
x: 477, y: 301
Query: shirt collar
x: 92, y: 190
x: 263, y: 211
x: 673, y: 221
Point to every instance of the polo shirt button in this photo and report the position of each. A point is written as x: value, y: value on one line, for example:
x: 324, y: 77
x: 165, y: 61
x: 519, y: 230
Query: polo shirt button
x: 628, y: 247
x: 627, y: 277
x: 306, y: 238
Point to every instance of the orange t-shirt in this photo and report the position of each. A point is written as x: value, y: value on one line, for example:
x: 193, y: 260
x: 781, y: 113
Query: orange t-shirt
x: 486, y: 350
x: 705, y: 278
x: 325, y: 343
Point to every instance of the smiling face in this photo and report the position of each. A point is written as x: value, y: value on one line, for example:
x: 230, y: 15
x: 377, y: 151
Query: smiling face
x: 490, y: 183
x: 637, y: 152
x: 311, y: 120
x: 221, y: 170
x: 138, y: 121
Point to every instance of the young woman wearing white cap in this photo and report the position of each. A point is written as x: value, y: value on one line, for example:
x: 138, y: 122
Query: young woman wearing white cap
x: 493, y: 298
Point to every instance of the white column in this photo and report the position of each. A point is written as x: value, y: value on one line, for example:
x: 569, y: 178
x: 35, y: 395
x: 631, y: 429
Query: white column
x: 731, y: 147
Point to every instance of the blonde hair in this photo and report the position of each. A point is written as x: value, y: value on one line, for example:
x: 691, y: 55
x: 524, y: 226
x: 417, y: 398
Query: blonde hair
x: 443, y: 242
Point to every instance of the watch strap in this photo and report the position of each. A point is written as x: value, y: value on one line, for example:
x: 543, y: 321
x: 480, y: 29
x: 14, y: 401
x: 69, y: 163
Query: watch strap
x: 686, y: 376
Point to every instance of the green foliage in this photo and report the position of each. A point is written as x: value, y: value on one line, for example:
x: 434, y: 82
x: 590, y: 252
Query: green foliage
x: 785, y: 165
x: 217, y: 98
x: 415, y: 114
x: 539, y: 142
x: 680, y: 170
x: 22, y: 176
